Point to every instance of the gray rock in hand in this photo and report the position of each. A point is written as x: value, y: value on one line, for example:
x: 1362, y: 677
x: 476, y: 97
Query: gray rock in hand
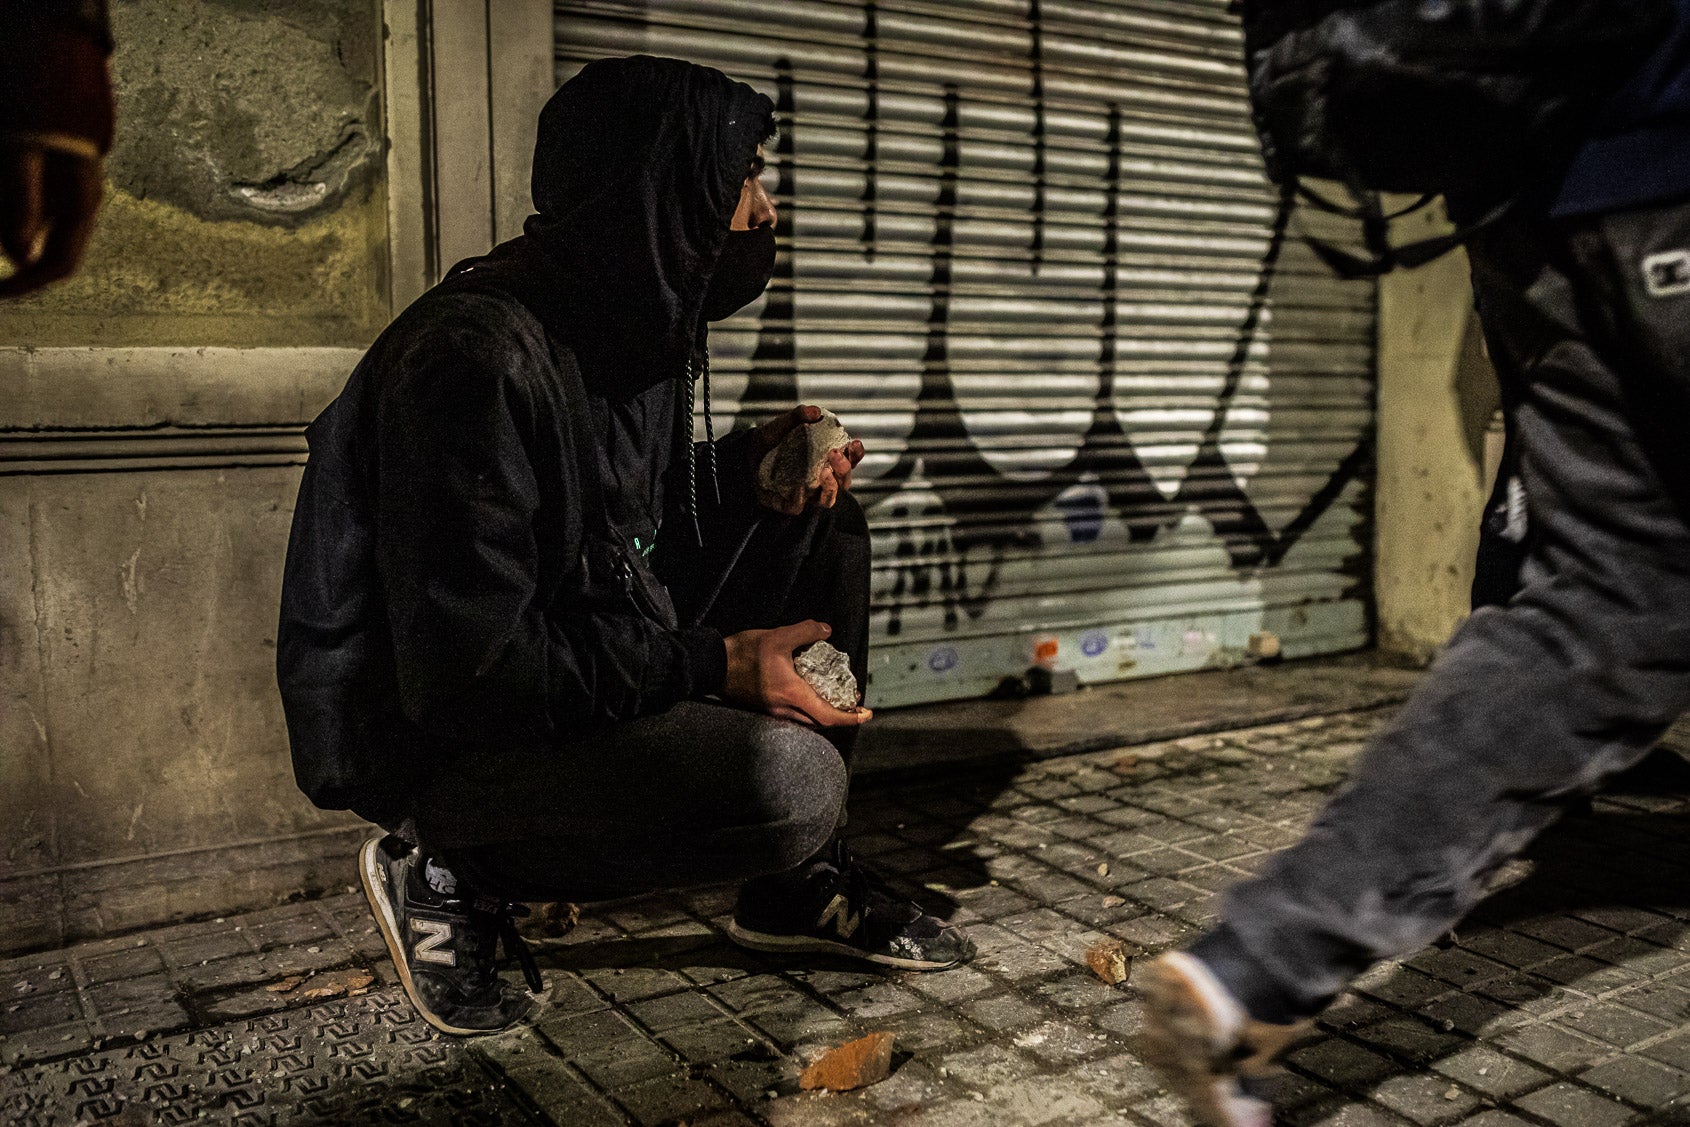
x: 828, y: 671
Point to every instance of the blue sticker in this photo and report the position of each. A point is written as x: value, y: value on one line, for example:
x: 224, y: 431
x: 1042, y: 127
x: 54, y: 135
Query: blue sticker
x: 1093, y: 642
x: 942, y: 660
x: 1083, y: 510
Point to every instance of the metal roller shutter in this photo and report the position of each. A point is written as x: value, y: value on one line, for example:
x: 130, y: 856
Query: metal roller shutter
x: 1022, y: 257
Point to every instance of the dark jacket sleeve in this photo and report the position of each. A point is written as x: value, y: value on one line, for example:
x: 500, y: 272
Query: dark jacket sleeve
x: 55, y: 86
x: 459, y: 425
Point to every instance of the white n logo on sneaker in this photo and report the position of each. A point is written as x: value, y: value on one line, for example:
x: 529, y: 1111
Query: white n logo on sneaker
x: 434, y: 949
x: 839, y: 911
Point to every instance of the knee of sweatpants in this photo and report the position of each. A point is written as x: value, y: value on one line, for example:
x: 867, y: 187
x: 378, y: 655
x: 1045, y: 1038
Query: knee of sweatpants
x: 801, y: 784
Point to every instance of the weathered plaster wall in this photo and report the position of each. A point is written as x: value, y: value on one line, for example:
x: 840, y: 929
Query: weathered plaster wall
x: 1437, y: 394
x: 245, y: 203
x: 145, y: 493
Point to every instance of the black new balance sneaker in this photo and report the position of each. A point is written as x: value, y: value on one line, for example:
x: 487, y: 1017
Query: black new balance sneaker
x: 443, y: 941
x: 843, y: 908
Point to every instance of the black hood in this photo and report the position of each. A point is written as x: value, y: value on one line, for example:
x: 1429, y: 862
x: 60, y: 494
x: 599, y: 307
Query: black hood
x: 637, y: 172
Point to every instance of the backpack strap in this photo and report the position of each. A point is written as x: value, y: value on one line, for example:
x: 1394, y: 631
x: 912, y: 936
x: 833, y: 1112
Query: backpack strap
x: 1382, y: 255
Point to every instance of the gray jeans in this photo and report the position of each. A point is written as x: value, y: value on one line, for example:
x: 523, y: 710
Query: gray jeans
x: 1570, y: 681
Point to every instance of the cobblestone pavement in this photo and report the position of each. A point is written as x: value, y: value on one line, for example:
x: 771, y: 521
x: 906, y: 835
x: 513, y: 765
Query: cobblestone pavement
x: 1565, y: 1001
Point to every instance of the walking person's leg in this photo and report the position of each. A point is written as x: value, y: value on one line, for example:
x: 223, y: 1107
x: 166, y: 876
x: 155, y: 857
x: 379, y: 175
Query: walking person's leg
x: 1531, y: 702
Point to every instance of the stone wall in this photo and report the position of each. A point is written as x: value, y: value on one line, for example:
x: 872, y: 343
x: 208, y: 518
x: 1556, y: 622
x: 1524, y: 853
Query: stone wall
x: 1437, y: 397
x: 150, y: 443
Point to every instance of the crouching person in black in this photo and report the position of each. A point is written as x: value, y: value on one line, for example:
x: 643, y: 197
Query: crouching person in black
x: 532, y: 630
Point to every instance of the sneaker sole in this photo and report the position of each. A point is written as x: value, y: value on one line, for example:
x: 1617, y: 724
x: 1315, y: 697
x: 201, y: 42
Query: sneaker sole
x: 1180, y: 1041
x: 372, y: 873
x: 781, y: 944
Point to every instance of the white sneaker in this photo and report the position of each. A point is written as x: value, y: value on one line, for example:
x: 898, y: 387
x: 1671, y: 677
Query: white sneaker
x: 1206, y: 1047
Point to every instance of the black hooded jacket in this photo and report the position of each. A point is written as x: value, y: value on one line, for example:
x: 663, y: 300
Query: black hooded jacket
x: 468, y: 557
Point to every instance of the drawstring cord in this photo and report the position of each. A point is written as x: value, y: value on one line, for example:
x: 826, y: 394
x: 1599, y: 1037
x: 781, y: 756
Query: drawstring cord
x: 695, y: 372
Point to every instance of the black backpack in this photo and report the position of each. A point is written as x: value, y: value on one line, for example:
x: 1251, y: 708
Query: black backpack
x: 1474, y: 99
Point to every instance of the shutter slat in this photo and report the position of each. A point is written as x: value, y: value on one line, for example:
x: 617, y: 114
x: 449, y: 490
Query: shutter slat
x: 1018, y: 262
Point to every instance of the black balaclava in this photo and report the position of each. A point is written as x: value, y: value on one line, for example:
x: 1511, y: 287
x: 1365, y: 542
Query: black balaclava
x: 743, y: 270
x: 637, y: 172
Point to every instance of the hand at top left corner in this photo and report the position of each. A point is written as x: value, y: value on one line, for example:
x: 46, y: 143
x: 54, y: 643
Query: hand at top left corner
x: 48, y: 201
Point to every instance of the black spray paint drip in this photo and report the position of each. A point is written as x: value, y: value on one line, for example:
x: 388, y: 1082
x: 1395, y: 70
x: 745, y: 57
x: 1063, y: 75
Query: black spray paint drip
x: 1035, y: 19
x: 774, y: 361
x: 871, y: 124
x: 989, y: 513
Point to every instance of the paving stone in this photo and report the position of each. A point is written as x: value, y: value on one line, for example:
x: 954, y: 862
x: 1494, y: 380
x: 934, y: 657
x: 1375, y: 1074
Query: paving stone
x: 1424, y: 1098
x: 1491, y: 1073
x: 1078, y: 992
x: 1563, y: 931
x: 1004, y: 1013
x: 566, y: 1099
x: 954, y: 985
x: 670, y: 1099
x: 912, y: 1087
x: 674, y: 1010
x: 1555, y: 1048
x: 607, y: 1048
x: 1343, y: 1064
x: 226, y: 974
x: 21, y: 1013
x: 1495, y: 1118
x: 987, y: 1066
x: 1569, y: 1105
x: 45, y: 1043
x: 1410, y: 1039
x: 1618, y: 1026
x: 927, y: 1031
x: 716, y: 1040
x: 1061, y: 1042
x: 130, y: 962
x: 296, y: 930
x: 1674, y: 1051
x: 1467, y: 1013
x: 1638, y: 1080
x: 878, y: 1001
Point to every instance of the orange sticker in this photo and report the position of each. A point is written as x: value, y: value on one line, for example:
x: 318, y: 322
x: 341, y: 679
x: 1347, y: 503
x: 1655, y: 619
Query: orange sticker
x: 1045, y: 649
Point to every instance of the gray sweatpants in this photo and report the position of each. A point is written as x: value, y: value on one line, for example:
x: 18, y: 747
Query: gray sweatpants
x: 1569, y: 682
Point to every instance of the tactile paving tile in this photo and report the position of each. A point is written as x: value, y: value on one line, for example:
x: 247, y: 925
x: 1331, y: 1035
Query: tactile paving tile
x: 362, y: 1060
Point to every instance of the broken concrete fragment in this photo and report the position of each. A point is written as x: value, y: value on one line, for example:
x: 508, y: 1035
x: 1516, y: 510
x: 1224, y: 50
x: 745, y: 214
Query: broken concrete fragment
x: 1103, y: 869
x: 855, y: 1064
x: 1114, y: 901
x: 550, y: 921
x: 1109, y: 960
x: 828, y: 671
x: 351, y: 983
x: 796, y: 464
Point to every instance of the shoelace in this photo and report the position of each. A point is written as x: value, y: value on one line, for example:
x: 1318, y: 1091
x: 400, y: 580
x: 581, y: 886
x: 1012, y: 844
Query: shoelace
x: 858, y: 881
x: 505, y: 916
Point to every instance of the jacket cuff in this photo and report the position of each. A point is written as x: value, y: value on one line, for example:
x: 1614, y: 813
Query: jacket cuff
x: 706, y: 659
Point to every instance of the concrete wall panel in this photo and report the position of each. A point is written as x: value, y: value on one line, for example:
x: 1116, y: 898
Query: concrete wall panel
x: 246, y: 204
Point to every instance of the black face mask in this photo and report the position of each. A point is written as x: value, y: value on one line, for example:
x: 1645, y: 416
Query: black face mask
x: 742, y: 272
